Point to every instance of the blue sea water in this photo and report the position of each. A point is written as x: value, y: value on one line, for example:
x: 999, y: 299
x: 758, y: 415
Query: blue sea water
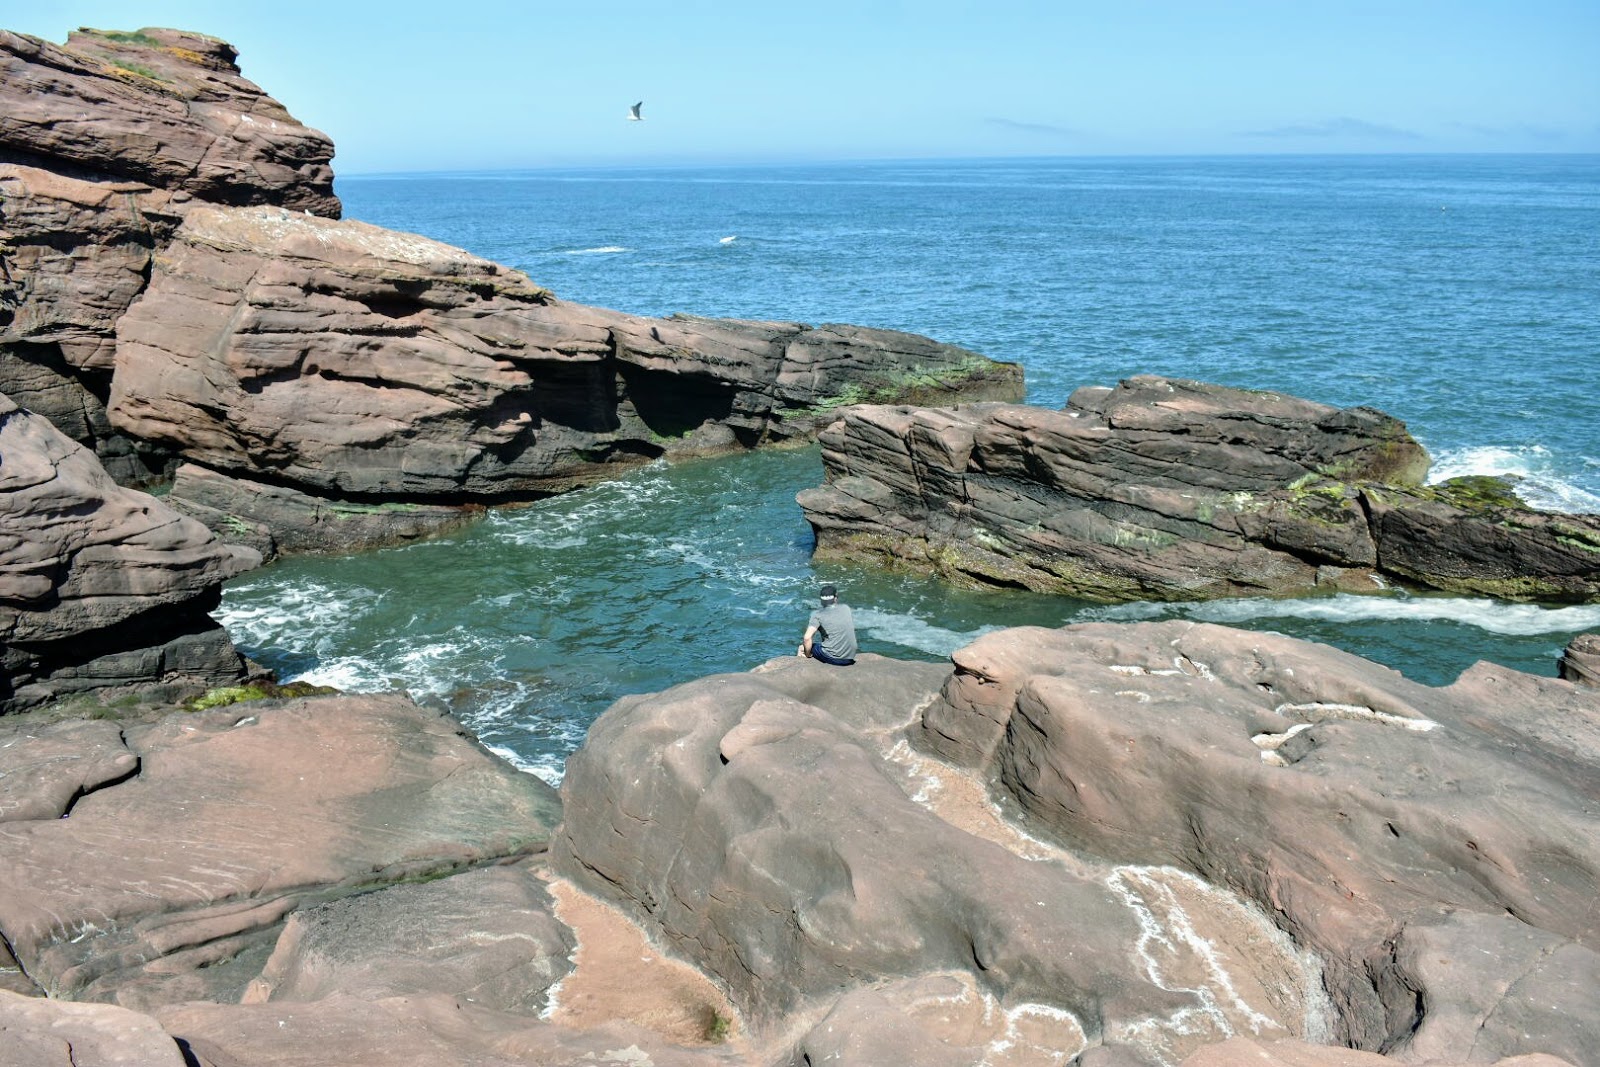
x: 1460, y: 294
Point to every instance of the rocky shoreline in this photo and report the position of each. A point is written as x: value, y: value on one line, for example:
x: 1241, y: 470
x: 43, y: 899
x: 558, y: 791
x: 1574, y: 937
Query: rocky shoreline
x: 179, y: 297
x: 1137, y: 845
x: 1165, y: 489
x: 1110, y: 844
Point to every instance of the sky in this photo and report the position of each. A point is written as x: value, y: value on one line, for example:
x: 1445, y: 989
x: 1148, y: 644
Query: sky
x: 485, y: 84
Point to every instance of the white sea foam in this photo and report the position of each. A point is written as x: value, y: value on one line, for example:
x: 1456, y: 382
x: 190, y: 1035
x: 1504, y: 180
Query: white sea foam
x: 603, y: 250
x: 1497, y: 617
x: 728, y: 240
x: 1539, y: 481
x: 908, y: 631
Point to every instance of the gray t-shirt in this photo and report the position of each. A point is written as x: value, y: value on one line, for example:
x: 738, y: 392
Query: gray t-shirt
x: 836, y: 630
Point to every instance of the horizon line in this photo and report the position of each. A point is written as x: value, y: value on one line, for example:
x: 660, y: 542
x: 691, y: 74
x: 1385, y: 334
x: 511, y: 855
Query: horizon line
x: 686, y: 163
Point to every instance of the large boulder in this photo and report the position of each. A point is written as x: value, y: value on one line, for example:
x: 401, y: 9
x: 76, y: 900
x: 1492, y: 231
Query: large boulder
x: 45, y: 1033
x: 1423, y: 842
x: 1176, y: 490
x: 335, y: 366
x: 100, y: 585
x: 770, y: 829
x: 1125, y: 843
x: 173, y: 850
x: 162, y: 107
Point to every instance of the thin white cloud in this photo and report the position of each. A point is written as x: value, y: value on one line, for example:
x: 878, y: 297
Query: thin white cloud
x: 1339, y: 127
x: 1045, y: 128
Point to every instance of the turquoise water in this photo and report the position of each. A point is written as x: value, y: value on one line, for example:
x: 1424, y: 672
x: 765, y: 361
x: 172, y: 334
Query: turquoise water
x: 1457, y: 293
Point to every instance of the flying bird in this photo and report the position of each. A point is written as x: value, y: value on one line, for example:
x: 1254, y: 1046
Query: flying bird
x: 633, y: 112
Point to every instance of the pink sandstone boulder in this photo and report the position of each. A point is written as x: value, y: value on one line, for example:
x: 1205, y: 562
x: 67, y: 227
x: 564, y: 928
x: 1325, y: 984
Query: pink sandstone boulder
x: 1423, y: 843
x: 35, y: 1032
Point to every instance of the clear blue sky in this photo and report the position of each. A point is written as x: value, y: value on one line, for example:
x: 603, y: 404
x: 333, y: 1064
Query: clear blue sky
x: 481, y: 84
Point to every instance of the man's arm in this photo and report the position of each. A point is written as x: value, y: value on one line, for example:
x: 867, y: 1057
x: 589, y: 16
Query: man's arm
x: 805, y: 642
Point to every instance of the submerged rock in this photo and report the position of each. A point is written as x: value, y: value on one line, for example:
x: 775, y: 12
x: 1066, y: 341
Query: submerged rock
x: 327, y: 367
x: 1166, y: 489
x: 100, y: 586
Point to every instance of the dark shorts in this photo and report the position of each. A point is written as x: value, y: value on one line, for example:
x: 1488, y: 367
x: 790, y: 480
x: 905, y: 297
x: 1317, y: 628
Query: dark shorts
x: 822, y: 657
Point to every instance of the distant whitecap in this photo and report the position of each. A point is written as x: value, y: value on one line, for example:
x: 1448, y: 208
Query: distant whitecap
x: 603, y: 250
x: 728, y: 240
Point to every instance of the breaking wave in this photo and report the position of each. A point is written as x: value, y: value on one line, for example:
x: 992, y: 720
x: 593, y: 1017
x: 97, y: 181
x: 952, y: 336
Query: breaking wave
x: 1492, y: 616
x: 1539, y: 482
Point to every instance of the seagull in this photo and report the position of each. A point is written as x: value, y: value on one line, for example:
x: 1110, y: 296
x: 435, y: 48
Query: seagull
x: 633, y: 112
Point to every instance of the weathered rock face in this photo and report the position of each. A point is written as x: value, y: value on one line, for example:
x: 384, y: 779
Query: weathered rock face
x: 183, y: 844
x: 340, y: 362
x: 152, y: 865
x: 768, y: 827
x: 104, y: 143
x: 1266, y: 851
x: 100, y: 585
x: 162, y: 107
x: 73, y: 255
x: 1176, y: 490
x: 1581, y: 661
x: 1422, y: 842
x: 1194, y: 833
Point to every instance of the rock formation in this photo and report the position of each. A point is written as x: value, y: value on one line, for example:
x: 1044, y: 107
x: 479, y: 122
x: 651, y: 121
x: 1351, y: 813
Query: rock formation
x: 100, y: 586
x: 156, y: 862
x: 1581, y: 661
x: 315, y: 372
x: 161, y: 107
x: 338, y: 385
x: 1166, y: 489
x: 1115, y: 845
x: 1194, y: 833
x: 104, y: 143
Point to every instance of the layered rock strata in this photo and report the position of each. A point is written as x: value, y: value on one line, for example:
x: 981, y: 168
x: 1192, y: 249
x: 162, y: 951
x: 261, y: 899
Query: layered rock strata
x: 1176, y: 490
x: 1195, y: 833
x: 104, y: 143
x: 339, y: 383
x: 100, y: 586
x: 161, y: 107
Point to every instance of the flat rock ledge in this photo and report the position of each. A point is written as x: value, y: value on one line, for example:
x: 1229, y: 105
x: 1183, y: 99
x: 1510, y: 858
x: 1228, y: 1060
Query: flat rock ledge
x: 1166, y: 489
x: 1118, y: 846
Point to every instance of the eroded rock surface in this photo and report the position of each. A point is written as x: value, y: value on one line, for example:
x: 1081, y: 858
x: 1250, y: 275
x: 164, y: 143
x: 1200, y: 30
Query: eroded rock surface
x: 100, y: 585
x: 73, y: 255
x: 1176, y: 490
x: 771, y: 830
x: 1385, y: 825
x: 320, y: 364
x: 158, y: 106
x: 172, y: 883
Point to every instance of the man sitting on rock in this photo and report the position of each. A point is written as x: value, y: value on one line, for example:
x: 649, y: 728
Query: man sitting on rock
x: 831, y: 633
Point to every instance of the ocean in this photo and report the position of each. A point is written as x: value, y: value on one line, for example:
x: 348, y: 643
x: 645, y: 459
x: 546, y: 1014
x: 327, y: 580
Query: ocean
x: 1458, y: 293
